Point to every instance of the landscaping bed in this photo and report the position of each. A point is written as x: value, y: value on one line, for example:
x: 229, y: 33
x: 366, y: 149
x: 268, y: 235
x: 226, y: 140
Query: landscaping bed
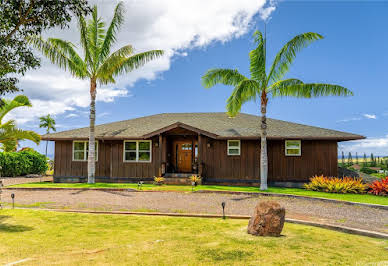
x: 41, y: 237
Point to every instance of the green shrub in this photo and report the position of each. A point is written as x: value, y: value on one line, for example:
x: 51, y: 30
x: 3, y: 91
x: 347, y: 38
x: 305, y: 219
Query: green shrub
x: 22, y: 163
x: 367, y: 170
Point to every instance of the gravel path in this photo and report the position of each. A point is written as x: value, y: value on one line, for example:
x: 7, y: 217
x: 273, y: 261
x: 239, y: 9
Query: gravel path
x: 334, y: 213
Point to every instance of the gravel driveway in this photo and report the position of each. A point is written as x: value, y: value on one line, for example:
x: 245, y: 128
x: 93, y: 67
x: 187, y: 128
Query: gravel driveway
x: 334, y: 213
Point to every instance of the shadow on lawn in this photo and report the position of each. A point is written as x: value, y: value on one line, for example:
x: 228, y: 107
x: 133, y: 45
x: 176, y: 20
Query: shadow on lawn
x: 12, y: 228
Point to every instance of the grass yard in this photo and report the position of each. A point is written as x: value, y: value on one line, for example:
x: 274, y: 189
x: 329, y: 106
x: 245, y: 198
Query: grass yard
x: 44, y: 237
x: 366, y: 198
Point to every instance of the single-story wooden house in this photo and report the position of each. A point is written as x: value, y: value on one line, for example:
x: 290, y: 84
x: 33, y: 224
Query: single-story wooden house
x: 219, y: 148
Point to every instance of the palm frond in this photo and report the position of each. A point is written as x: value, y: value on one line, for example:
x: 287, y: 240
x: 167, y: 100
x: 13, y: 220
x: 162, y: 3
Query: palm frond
x: 84, y: 39
x: 121, y: 65
x: 278, y: 88
x: 257, y: 59
x: 312, y: 90
x: 62, y: 54
x: 104, y: 72
x: 110, y: 36
x: 246, y: 90
x: 96, y: 36
x: 9, y: 105
x: 287, y: 54
x: 224, y: 76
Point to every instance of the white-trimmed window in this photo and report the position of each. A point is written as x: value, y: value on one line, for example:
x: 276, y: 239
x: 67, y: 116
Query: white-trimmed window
x: 293, y: 148
x: 81, y: 150
x: 234, y: 147
x: 137, y: 151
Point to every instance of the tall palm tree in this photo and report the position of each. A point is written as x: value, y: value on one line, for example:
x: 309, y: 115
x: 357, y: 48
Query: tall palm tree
x: 98, y: 64
x: 48, y: 123
x: 10, y: 135
x: 264, y: 85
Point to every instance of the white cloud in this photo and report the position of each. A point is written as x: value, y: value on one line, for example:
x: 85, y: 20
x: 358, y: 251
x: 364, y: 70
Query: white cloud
x: 370, y: 116
x: 349, y: 119
x: 173, y: 25
x: 72, y: 115
x: 266, y: 11
x: 376, y: 145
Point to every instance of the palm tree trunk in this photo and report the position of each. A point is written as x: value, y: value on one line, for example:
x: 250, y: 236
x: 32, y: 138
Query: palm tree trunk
x: 263, y: 150
x: 91, y: 155
x: 46, y: 147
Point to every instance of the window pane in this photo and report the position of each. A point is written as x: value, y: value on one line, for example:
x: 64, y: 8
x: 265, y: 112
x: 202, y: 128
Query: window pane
x: 293, y: 151
x: 234, y: 151
x: 79, y: 155
x: 144, y: 156
x: 234, y: 143
x: 293, y: 144
x: 130, y: 156
x: 79, y: 146
x: 144, y: 146
x: 130, y: 146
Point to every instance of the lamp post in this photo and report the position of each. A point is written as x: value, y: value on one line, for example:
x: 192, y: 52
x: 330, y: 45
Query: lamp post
x: 13, y: 200
x: 223, y: 209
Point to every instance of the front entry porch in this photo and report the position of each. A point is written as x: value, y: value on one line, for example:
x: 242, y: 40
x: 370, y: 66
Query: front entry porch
x: 180, y: 153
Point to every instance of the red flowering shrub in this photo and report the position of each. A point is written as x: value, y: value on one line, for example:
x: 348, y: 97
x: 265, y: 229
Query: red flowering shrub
x: 379, y: 187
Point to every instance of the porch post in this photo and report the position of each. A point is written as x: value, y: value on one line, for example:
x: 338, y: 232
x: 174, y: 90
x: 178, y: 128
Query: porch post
x: 200, y: 155
x: 160, y: 155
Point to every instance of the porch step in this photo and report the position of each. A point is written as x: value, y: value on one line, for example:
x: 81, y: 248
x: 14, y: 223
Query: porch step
x: 177, y: 175
x: 177, y: 181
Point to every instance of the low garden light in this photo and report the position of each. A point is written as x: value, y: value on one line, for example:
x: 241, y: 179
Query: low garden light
x: 13, y: 200
x: 192, y: 185
x: 223, y: 209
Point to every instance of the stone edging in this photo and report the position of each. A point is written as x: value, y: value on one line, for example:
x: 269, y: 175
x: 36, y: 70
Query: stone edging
x: 339, y: 228
x: 377, y: 206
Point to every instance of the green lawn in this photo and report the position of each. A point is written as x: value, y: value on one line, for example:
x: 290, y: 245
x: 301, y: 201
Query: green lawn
x: 294, y: 191
x: 86, y: 239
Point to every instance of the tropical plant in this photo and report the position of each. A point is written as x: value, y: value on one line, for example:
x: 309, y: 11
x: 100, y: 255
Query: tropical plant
x: 158, y: 180
x: 195, y: 179
x: 264, y: 85
x: 99, y: 65
x: 10, y: 135
x: 48, y: 123
x: 336, y: 185
x: 379, y: 187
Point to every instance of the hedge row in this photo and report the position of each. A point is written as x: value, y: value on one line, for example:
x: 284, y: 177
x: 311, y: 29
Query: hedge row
x: 22, y: 163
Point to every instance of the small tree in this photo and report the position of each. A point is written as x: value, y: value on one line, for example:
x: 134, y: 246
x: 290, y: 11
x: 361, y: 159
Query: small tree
x: 372, y: 160
x: 356, y: 158
x: 350, y: 160
x: 343, y: 159
x: 364, y: 163
x: 48, y: 123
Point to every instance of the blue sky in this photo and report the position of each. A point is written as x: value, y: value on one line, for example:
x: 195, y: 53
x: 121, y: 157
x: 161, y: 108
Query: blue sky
x: 353, y: 54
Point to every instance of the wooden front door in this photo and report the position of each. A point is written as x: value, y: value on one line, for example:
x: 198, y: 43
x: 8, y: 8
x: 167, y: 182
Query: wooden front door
x: 184, y: 151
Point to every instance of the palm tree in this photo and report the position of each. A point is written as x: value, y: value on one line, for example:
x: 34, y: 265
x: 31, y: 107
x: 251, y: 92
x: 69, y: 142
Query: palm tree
x: 264, y: 85
x: 98, y: 64
x: 10, y: 135
x: 48, y: 123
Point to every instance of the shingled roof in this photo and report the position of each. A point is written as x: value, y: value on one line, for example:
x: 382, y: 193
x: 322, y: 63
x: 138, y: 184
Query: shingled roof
x: 215, y: 125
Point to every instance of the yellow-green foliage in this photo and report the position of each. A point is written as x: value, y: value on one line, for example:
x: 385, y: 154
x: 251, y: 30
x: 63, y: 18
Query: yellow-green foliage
x: 336, y: 185
x: 195, y: 178
x: 159, y: 179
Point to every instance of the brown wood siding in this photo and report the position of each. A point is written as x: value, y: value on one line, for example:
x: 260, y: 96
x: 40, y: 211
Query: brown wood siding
x: 110, y: 162
x: 318, y: 157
